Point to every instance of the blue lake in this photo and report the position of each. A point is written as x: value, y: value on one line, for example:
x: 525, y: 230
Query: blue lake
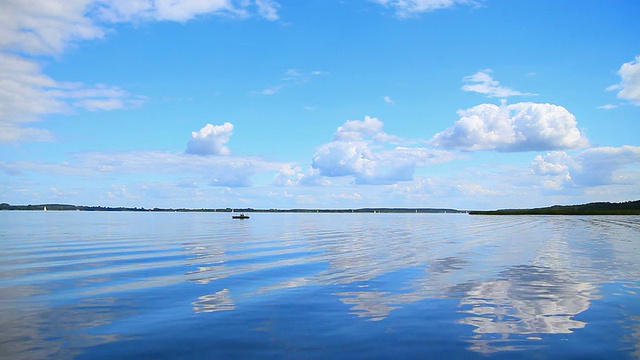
x: 122, y: 285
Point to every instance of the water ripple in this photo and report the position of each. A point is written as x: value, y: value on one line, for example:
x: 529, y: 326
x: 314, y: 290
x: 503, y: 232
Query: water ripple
x: 81, y: 280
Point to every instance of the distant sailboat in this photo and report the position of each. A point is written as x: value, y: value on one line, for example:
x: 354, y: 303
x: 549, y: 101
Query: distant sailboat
x: 45, y: 209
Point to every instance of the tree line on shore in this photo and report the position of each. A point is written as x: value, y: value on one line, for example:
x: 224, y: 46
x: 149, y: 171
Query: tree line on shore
x: 595, y: 208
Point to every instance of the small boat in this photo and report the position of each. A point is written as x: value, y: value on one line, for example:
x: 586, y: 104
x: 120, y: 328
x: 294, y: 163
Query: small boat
x: 241, y: 216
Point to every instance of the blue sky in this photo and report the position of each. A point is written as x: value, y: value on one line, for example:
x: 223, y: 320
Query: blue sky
x: 319, y: 103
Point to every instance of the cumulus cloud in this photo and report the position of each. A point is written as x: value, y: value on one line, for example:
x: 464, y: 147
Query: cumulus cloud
x: 591, y: 167
x: 360, y: 149
x: 629, y: 86
x: 341, y: 158
x: 358, y: 129
x: 44, y: 28
x: 210, y: 140
x: 523, y: 126
x: 286, y: 176
x: 482, y: 82
x: 406, y: 8
x: 292, y: 176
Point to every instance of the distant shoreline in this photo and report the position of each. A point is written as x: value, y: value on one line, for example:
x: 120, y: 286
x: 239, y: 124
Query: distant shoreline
x: 596, y: 208
x: 66, y: 207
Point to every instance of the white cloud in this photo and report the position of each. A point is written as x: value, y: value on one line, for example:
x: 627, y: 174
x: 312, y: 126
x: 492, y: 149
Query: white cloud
x: 518, y: 127
x: 120, y: 192
x: 482, y: 82
x: 287, y: 176
x: 354, y: 196
x: 26, y: 94
x: 389, y: 100
x: 313, y: 178
x: 341, y: 158
x: 357, y: 149
x: 187, y: 9
x: 99, y: 104
x: 477, y: 190
x: 181, y: 11
x: 46, y: 28
x: 225, y: 171
x: 97, y: 97
x: 358, y: 129
x: 292, y: 176
x: 591, y: 167
x: 607, y: 107
x: 268, y: 9
x: 210, y: 140
x: 405, y: 8
x: 629, y: 85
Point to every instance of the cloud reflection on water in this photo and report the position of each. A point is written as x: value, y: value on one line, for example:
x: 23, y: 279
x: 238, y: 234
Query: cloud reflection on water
x: 220, y: 301
x: 516, y: 280
x: 505, y: 283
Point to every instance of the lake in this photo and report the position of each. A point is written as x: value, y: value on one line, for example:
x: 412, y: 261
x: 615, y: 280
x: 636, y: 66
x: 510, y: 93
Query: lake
x: 132, y: 285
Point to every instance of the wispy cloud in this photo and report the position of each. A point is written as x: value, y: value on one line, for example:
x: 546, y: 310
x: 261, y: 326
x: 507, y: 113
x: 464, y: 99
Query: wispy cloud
x: 27, y: 94
x: 225, y: 171
x: 408, y: 8
x: 388, y: 100
x: 42, y: 28
x: 291, y: 78
x: 482, y: 82
x: 268, y: 9
x: 181, y: 11
x: 272, y: 90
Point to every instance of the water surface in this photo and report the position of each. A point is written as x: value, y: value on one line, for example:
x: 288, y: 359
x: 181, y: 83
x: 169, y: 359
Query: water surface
x: 105, y: 285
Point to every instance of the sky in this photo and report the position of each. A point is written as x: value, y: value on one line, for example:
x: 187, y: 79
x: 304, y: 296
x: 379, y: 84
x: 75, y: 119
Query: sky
x: 466, y: 104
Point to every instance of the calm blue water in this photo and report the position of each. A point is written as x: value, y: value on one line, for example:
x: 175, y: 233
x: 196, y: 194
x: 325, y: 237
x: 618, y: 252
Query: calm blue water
x: 99, y: 285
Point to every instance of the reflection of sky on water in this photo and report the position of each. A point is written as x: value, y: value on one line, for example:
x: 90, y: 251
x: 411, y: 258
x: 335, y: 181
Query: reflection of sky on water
x: 220, y: 301
x: 516, y: 279
x: 58, y: 279
x: 38, y: 331
x: 527, y: 300
x: 508, y: 283
x: 541, y: 297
